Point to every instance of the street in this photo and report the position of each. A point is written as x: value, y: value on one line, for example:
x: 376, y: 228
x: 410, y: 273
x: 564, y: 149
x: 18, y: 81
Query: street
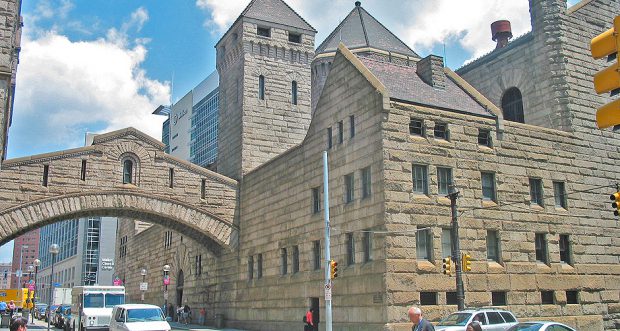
x: 41, y: 325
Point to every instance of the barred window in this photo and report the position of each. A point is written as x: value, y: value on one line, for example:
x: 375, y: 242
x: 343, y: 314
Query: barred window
x: 484, y: 137
x: 512, y: 105
x: 416, y: 127
x: 536, y: 191
x: 444, y: 180
x: 488, y: 186
x: 420, y: 179
x: 441, y: 131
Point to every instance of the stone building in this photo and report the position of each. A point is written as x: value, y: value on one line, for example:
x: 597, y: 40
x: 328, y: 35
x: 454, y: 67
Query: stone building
x: 9, y: 57
x: 534, y: 178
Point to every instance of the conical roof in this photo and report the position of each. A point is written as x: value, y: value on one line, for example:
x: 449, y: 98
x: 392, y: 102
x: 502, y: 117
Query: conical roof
x: 275, y: 11
x: 360, y: 29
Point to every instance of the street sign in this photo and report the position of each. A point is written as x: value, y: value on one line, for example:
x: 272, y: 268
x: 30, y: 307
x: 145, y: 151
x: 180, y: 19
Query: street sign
x: 166, y: 295
x: 328, y: 292
x: 144, y: 286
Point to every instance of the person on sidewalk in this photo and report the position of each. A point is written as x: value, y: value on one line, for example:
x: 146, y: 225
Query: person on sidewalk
x: 203, y: 315
x: 187, y: 314
x: 419, y: 323
x: 19, y: 324
x: 309, y: 320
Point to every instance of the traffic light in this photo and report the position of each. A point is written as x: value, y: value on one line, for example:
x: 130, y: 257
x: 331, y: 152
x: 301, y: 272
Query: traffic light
x: 616, y: 203
x: 466, y: 262
x: 608, y: 80
x: 447, y: 266
x: 333, y: 269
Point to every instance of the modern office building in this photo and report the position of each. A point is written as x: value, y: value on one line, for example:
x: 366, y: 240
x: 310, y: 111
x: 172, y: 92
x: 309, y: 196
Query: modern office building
x: 25, y: 251
x: 86, y: 255
x: 5, y: 275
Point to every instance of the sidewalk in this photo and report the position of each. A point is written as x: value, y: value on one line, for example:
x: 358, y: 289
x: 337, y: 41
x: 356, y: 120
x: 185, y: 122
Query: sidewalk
x: 180, y: 326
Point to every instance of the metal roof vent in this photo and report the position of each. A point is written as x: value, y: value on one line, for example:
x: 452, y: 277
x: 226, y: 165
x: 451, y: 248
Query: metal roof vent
x: 501, y: 32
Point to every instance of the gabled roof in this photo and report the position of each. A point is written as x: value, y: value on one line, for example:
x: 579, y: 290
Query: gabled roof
x: 275, y: 11
x: 359, y: 30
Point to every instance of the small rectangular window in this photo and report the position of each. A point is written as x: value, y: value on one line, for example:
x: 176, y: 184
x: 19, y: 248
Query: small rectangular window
x: 366, y: 183
x: 560, y: 194
x: 46, y: 172
x: 351, y: 126
x: 492, y: 245
x: 294, y: 37
x: 316, y: 200
x: 565, y: 252
x: 444, y: 180
x: 294, y: 92
x: 349, y: 188
x: 423, y: 243
x: 367, y: 245
x: 488, y: 186
x: 261, y: 87
x: 329, y: 137
x: 451, y: 298
x: 340, y: 132
x: 83, y: 171
x: 295, y: 259
x: 536, y: 191
x: 547, y: 297
x: 416, y: 127
x: 259, y: 266
x: 420, y: 178
x: 572, y: 297
x: 498, y: 298
x: 428, y: 298
x: 316, y: 250
x: 198, y: 264
x: 171, y: 177
x: 350, y: 249
x: 263, y: 32
x: 541, y: 247
x: 446, y: 243
x: 203, y: 188
x: 441, y: 131
x: 484, y: 137
x: 250, y: 267
x: 284, y: 261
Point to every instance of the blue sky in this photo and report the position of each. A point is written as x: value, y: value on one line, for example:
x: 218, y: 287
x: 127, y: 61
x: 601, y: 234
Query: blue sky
x: 102, y: 65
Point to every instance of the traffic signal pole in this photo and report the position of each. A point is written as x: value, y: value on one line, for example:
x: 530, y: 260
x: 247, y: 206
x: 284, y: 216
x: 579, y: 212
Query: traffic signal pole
x: 456, y: 250
x: 328, y: 283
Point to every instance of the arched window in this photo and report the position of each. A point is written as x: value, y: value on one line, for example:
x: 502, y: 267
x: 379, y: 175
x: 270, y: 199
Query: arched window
x: 294, y: 92
x: 127, y: 172
x: 512, y: 105
x: 261, y: 87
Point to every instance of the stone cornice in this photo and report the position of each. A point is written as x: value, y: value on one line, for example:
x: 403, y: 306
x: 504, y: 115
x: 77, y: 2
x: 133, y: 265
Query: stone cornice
x: 42, y: 158
x: 102, y: 138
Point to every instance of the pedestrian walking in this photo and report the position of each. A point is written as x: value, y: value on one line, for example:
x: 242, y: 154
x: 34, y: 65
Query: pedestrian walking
x: 12, y: 308
x: 19, y: 324
x: 203, y: 315
x: 308, y: 320
x: 419, y: 323
x: 2, y: 307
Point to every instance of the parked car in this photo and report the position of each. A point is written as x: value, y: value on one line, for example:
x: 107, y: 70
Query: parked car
x: 491, y: 319
x: 138, y: 317
x: 39, y: 310
x: 61, y: 316
x: 540, y: 326
x: 51, y: 308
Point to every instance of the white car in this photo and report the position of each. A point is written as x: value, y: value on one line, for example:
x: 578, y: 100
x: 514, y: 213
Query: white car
x: 540, y: 326
x: 491, y: 319
x: 138, y: 317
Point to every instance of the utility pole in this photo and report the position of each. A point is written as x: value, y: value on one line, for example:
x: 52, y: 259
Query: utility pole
x: 456, y: 250
x: 328, y: 281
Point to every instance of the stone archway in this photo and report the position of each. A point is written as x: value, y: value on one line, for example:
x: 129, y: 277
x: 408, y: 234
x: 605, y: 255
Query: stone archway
x: 89, y: 181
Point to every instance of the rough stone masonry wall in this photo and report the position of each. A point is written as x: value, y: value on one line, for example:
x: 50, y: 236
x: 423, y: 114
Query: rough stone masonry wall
x: 276, y: 213
x: 525, y: 151
x: 10, y: 36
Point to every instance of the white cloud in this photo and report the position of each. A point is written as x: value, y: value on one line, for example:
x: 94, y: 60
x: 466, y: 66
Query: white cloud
x: 421, y: 24
x: 71, y: 86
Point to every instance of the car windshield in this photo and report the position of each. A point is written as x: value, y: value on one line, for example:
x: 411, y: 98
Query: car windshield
x: 144, y: 315
x: 93, y: 300
x: 526, y: 327
x: 112, y: 300
x: 459, y: 319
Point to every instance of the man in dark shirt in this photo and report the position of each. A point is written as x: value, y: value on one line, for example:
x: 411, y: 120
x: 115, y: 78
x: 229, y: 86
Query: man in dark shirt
x: 419, y: 323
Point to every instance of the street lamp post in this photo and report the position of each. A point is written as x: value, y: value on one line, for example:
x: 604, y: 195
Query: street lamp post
x: 166, y: 282
x: 54, y: 250
x: 19, y: 272
x: 142, y: 286
x: 29, y: 298
x: 37, y: 263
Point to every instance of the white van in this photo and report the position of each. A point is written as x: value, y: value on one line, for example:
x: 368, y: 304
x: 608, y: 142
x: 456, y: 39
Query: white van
x: 92, y: 306
x: 138, y: 317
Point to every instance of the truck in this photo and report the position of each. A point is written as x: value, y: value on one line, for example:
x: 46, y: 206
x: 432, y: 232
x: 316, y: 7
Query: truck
x: 62, y: 296
x: 21, y: 297
x: 91, y: 306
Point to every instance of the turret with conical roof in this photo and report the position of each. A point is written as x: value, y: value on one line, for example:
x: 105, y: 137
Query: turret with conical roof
x: 363, y: 35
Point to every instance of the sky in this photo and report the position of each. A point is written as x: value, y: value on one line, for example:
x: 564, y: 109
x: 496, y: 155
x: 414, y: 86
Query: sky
x: 102, y: 65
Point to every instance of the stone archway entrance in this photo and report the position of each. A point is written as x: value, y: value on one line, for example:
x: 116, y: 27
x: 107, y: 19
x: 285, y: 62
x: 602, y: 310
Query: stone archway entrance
x: 93, y: 180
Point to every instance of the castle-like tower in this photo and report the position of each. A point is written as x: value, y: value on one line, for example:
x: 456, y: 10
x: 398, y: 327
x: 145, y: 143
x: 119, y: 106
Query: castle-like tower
x: 263, y: 62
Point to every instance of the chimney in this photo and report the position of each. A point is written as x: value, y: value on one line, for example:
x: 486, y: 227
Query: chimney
x: 430, y: 69
x: 501, y: 32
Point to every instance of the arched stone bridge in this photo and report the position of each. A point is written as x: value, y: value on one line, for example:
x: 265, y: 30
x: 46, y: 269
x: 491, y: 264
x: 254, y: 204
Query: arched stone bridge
x: 123, y: 173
